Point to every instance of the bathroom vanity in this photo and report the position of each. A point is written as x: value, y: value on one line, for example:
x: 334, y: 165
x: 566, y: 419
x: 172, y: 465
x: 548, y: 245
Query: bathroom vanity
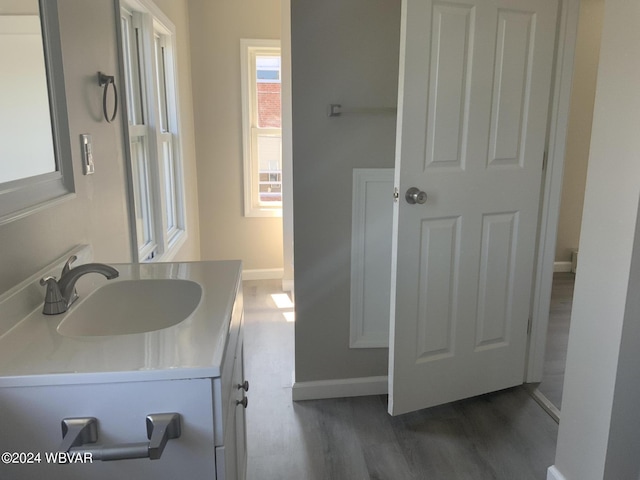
x: 193, y: 368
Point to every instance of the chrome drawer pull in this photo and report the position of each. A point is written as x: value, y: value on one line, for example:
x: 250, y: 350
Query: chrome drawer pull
x: 79, y: 433
x: 244, y: 386
x: 244, y: 402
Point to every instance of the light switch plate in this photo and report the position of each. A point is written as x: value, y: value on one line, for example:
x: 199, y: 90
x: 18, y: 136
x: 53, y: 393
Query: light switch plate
x: 87, y: 154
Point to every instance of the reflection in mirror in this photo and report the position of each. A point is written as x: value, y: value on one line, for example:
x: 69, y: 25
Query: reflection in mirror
x: 26, y: 144
x: 35, y: 148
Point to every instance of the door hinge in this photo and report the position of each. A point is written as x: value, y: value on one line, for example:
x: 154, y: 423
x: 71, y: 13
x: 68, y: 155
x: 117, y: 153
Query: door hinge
x: 529, y: 325
x: 396, y: 194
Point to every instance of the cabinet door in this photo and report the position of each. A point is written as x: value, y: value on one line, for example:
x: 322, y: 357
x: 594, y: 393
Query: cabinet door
x: 240, y: 424
x: 231, y: 459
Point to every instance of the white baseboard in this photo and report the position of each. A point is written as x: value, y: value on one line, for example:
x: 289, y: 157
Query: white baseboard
x: 554, y: 474
x: 339, y: 388
x: 545, y: 403
x: 561, y: 266
x: 287, y: 285
x: 263, y: 274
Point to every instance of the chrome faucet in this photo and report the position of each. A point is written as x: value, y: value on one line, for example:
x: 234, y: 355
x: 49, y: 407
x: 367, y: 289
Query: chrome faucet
x: 62, y: 293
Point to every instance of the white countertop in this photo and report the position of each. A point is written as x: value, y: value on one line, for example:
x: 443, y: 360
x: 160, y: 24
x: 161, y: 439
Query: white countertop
x: 33, y: 353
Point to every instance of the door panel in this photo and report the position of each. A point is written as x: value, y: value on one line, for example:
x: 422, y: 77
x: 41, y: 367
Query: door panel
x: 436, y: 312
x: 495, y: 296
x: 448, y: 92
x: 473, y: 98
x: 511, y: 87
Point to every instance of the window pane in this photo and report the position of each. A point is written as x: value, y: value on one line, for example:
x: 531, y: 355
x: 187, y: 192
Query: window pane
x: 267, y: 68
x: 161, y: 76
x: 142, y: 194
x: 170, y: 186
x: 268, y: 91
x: 269, y: 168
x: 268, y: 75
x: 132, y: 53
x: 138, y: 75
x: 130, y: 67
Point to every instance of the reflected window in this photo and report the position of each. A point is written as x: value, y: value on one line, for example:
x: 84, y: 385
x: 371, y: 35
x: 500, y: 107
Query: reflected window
x: 26, y: 149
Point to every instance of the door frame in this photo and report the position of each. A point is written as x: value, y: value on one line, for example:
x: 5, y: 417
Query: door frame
x: 287, y: 148
x: 552, y: 187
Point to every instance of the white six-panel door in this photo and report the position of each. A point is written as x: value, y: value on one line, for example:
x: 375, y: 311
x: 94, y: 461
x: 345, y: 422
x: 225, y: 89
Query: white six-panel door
x: 473, y: 98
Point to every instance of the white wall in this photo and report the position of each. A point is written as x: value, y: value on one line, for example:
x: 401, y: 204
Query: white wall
x: 597, y: 412
x: 623, y: 460
x: 216, y: 29
x: 347, y: 53
x: 579, y: 128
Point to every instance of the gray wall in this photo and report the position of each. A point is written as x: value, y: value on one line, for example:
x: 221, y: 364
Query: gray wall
x: 347, y: 53
x: 98, y: 214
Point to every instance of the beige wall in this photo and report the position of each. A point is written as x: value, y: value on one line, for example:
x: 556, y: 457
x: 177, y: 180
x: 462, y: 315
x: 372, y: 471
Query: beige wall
x: 347, y: 53
x: 98, y: 215
x: 579, y: 129
x: 216, y: 30
x: 19, y: 7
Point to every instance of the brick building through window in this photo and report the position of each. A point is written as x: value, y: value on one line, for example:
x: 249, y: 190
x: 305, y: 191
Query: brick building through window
x: 269, y: 116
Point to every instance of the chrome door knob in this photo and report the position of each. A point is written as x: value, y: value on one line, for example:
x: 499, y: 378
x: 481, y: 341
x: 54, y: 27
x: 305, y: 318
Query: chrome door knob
x: 415, y: 195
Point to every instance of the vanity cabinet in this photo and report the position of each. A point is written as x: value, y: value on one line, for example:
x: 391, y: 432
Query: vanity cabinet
x: 230, y: 431
x: 209, y: 398
x: 231, y: 458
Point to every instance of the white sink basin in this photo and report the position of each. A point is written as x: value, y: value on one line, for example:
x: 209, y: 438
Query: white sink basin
x: 132, y: 306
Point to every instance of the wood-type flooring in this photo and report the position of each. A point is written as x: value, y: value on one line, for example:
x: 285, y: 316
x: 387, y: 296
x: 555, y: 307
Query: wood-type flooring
x: 505, y: 435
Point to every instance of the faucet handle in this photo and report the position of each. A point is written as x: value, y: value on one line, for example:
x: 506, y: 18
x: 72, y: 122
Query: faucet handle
x: 65, y: 270
x: 67, y: 266
x: 45, y: 280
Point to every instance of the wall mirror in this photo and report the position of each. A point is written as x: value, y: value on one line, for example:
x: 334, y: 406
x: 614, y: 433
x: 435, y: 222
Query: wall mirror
x: 35, y: 150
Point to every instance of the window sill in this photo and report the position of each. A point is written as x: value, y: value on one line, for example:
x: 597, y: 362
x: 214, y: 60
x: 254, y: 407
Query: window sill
x: 175, y: 246
x: 263, y: 212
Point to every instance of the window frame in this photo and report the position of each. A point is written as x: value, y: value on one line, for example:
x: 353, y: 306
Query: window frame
x: 249, y: 49
x: 156, y: 98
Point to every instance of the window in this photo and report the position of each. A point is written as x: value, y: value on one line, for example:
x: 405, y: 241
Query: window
x: 148, y: 53
x: 261, y: 122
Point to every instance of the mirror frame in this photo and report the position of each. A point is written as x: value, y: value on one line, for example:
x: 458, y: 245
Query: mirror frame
x: 19, y: 198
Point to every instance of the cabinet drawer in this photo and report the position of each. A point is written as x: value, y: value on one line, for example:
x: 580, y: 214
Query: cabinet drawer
x: 31, y: 419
